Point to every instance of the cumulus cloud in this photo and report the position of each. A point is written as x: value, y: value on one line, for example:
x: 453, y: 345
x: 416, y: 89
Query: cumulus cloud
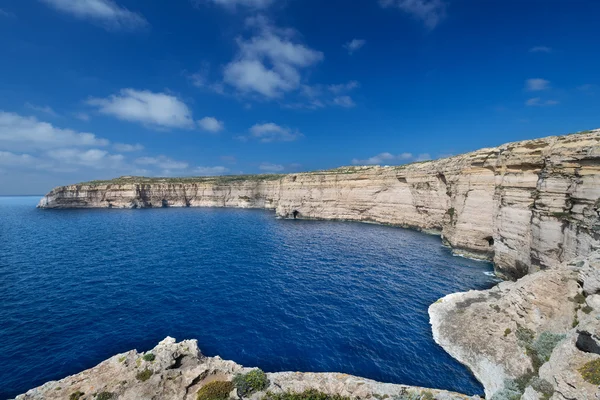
x: 93, y: 158
x: 430, y: 12
x: 128, y: 148
x: 343, y: 87
x: 270, y: 132
x: 153, y: 109
x: 384, y: 158
x: 270, y: 62
x: 344, y: 101
x: 354, y: 45
x: 210, y: 171
x: 82, y: 116
x: 268, y: 167
x: 104, y: 12
x: 11, y: 159
x: 540, y: 49
x: 538, y: 102
x: 163, y: 162
x: 27, y: 133
x: 211, y: 124
x: 423, y: 157
x: 536, y: 84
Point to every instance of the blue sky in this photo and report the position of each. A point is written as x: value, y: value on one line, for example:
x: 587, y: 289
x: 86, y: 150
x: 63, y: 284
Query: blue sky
x: 102, y: 88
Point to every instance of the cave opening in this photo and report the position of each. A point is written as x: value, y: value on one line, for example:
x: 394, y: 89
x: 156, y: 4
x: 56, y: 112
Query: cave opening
x: 295, y: 213
x: 490, y: 240
x: 165, y: 203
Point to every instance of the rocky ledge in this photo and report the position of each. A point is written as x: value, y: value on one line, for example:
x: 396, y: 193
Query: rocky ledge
x: 537, y: 338
x: 179, y: 371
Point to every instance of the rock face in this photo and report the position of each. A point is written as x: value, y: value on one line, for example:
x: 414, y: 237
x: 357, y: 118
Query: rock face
x: 179, y: 370
x: 527, y: 338
x: 527, y: 206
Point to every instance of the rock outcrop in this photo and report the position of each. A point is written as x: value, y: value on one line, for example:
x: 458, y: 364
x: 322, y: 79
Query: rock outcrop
x: 528, y: 339
x: 527, y: 206
x: 178, y: 370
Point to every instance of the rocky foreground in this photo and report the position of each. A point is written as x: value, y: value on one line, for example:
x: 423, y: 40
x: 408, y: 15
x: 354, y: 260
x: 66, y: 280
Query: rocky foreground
x: 527, y: 206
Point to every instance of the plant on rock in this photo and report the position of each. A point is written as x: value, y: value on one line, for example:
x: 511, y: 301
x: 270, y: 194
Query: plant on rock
x: 310, y: 394
x: 144, y: 375
x: 591, y: 372
x: 149, y: 357
x: 254, y: 381
x: 216, y: 390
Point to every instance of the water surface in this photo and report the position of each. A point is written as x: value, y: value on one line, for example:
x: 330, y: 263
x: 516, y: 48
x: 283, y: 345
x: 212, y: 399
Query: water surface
x: 78, y: 286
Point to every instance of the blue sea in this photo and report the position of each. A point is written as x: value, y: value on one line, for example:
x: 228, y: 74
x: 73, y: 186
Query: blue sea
x: 78, y: 286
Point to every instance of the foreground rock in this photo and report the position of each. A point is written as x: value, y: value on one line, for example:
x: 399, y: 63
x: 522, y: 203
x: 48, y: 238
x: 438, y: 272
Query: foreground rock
x: 178, y: 370
x: 527, y: 205
x: 528, y: 338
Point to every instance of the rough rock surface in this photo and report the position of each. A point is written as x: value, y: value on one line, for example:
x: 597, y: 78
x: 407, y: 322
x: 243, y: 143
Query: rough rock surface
x: 179, y: 370
x: 527, y: 335
x: 527, y: 205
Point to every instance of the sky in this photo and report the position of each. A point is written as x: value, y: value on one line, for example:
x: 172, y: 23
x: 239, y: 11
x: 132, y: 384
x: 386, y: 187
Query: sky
x: 96, y: 89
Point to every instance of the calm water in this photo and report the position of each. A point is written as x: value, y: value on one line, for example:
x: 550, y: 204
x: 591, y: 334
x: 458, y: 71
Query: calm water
x: 78, y: 286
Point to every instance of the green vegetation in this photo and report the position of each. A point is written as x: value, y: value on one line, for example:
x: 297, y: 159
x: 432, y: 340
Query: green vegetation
x: 542, y: 386
x: 507, y: 332
x: 105, y: 396
x: 591, y: 372
x: 149, y: 357
x: 121, y: 359
x: 76, y: 396
x: 144, y: 375
x: 427, y: 395
x: 587, y: 309
x: 254, y: 381
x: 217, y: 390
x: 310, y: 394
x: 510, y: 391
x: 544, y: 345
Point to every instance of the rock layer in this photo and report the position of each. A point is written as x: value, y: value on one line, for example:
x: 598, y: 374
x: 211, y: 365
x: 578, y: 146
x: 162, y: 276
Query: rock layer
x: 178, y: 370
x: 527, y: 205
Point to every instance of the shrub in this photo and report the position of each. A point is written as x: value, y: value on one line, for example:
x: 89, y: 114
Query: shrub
x: 427, y: 395
x: 587, y: 309
x: 542, y: 386
x: 144, y: 375
x: 149, y: 357
x: 590, y: 372
x: 216, y: 390
x: 310, y: 394
x: 510, y: 391
x: 545, y: 344
x: 105, y: 396
x: 254, y: 381
x: 507, y: 332
x: 76, y: 396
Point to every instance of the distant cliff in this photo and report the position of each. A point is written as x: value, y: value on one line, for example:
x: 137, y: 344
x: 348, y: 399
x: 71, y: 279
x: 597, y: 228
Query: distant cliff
x: 527, y: 205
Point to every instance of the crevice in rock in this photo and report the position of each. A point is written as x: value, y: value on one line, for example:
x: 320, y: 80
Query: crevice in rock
x: 586, y: 343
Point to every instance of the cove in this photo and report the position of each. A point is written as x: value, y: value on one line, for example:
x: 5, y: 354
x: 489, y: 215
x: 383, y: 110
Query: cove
x: 78, y: 286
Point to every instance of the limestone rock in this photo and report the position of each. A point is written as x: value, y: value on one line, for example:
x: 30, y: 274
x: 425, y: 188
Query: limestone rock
x: 527, y: 205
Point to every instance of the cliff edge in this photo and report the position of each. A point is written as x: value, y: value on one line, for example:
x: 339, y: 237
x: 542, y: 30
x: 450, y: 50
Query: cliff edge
x: 526, y: 206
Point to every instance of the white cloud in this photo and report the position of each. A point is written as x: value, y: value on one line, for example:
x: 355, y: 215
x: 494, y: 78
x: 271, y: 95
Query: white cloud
x: 344, y: 101
x: 383, y: 158
x: 163, y: 162
x: 12, y: 159
x: 26, y: 133
x: 234, y: 3
x: 537, y: 84
x: 430, y: 12
x: 343, y: 87
x: 105, y: 12
x: 270, y: 132
x: 154, y: 109
x: 354, y: 45
x: 209, y: 171
x: 537, y: 101
x: 42, y: 109
x: 211, y: 124
x: 82, y: 116
x: 94, y: 158
x: 269, y: 63
x: 128, y: 148
x: 423, y: 157
x: 540, y: 49
x: 268, y: 167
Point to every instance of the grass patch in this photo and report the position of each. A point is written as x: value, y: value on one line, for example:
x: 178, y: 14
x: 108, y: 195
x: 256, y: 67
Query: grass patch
x: 76, y: 396
x: 254, y: 381
x: 217, y: 390
x: 310, y: 394
x: 121, y: 359
x: 507, y: 332
x: 144, y: 375
x: 105, y: 396
x: 542, y: 386
x: 587, y: 309
x: 590, y: 372
x: 149, y: 357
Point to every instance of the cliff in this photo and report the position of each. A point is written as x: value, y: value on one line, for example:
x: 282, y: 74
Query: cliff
x: 527, y: 205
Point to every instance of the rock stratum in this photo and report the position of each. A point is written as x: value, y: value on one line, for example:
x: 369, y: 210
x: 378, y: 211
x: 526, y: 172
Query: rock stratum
x: 533, y: 207
x: 527, y: 205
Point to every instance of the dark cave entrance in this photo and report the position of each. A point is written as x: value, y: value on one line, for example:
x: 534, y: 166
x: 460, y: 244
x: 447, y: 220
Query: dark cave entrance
x: 295, y: 213
x: 490, y: 240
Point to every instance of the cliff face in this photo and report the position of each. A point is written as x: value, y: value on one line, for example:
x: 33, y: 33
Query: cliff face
x: 527, y: 206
